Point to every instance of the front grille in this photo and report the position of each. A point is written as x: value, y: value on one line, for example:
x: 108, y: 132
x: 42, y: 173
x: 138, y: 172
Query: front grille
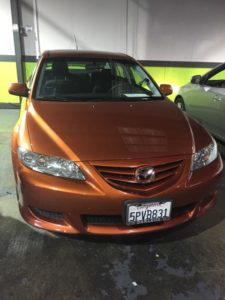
x: 179, y: 211
x: 123, y: 178
x: 117, y: 219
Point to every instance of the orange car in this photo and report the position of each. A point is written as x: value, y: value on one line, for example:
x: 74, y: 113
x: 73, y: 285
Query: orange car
x: 100, y: 149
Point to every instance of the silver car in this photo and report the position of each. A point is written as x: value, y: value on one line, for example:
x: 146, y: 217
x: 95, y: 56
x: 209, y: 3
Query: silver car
x: 204, y: 99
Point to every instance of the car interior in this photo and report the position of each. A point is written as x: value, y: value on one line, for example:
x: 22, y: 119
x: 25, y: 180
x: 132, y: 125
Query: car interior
x: 62, y: 79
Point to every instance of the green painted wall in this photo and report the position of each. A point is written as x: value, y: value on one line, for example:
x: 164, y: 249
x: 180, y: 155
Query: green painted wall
x: 8, y: 74
x: 28, y: 68
x: 176, y: 76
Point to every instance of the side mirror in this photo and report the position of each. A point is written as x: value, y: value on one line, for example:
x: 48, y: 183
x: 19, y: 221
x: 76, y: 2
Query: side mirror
x: 18, y: 89
x: 166, y: 89
x: 196, y: 79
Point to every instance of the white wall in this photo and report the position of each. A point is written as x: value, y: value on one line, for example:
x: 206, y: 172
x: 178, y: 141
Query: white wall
x: 27, y: 16
x: 172, y: 30
x: 6, y: 33
x: 179, y: 30
x: 97, y: 24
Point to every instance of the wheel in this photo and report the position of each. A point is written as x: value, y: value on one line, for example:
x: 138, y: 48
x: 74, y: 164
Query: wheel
x: 180, y: 103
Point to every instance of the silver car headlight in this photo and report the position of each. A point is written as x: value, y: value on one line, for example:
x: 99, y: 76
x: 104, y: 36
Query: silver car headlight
x: 52, y: 165
x: 205, y: 156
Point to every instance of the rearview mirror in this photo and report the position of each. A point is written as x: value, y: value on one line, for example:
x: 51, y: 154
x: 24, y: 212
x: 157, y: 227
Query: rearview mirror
x: 166, y: 89
x: 196, y: 79
x: 18, y: 89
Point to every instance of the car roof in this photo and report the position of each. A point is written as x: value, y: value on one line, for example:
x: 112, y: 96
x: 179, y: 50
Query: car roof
x: 85, y: 54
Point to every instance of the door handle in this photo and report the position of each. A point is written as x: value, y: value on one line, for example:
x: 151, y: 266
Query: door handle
x: 217, y: 98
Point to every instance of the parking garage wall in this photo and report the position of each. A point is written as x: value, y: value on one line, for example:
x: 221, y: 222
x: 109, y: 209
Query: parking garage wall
x: 7, y: 52
x: 158, y: 30
x: 169, y: 37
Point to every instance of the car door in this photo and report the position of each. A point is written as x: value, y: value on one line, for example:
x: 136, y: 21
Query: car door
x: 206, y: 101
x: 200, y: 105
x: 215, y: 85
x: 217, y: 121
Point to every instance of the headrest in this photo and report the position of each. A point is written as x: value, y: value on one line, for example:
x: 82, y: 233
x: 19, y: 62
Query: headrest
x: 104, y: 74
x: 59, y: 68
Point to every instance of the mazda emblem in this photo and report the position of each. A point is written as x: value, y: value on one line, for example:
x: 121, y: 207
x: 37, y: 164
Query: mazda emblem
x: 145, y: 174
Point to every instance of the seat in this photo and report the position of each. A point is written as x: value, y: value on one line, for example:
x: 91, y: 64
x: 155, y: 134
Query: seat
x: 60, y: 70
x: 101, y: 81
x: 58, y: 81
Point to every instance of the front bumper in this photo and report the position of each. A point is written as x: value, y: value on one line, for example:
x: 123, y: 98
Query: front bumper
x: 65, y: 205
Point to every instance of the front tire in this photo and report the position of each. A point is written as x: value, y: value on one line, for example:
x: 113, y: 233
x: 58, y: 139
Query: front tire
x: 180, y: 103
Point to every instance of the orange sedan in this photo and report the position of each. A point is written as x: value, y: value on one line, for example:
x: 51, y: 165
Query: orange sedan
x: 100, y: 149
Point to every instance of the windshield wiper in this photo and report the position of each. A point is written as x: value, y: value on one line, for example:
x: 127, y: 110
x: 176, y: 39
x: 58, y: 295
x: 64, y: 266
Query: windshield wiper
x: 54, y: 98
x: 124, y: 97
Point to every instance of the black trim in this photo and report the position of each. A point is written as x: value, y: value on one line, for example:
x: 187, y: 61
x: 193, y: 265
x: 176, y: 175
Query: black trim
x: 18, y: 40
x: 29, y: 58
x: 4, y: 105
x: 12, y: 58
x: 146, y: 63
x: 9, y: 58
x: 180, y: 64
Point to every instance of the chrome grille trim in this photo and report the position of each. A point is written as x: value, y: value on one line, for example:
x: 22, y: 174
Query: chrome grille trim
x: 123, y: 178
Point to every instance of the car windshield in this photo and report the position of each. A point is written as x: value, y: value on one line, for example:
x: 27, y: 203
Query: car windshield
x: 100, y: 79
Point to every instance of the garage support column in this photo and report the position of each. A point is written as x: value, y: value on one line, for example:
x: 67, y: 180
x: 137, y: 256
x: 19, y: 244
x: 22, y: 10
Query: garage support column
x: 16, y: 23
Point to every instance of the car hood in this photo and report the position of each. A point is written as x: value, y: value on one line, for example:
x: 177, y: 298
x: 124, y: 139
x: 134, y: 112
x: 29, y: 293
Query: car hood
x: 108, y: 131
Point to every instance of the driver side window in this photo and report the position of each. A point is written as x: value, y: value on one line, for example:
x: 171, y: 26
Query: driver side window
x: 217, y: 80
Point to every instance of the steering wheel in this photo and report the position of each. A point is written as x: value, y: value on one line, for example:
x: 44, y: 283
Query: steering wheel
x: 117, y: 85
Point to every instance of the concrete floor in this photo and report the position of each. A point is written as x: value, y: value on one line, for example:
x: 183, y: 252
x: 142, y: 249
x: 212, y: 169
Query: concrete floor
x: 184, y: 263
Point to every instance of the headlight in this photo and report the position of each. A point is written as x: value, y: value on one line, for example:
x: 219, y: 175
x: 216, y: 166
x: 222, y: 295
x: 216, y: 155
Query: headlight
x: 50, y: 164
x: 205, y: 156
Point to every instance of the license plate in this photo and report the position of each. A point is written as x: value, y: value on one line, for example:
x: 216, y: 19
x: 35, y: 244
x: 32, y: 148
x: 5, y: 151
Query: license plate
x: 147, y: 212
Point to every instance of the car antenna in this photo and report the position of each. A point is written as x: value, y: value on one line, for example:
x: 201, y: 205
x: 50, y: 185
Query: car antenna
x: 75, y: 42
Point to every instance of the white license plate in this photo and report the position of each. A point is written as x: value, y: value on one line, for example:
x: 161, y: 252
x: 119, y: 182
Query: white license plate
x: 147, y: 212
